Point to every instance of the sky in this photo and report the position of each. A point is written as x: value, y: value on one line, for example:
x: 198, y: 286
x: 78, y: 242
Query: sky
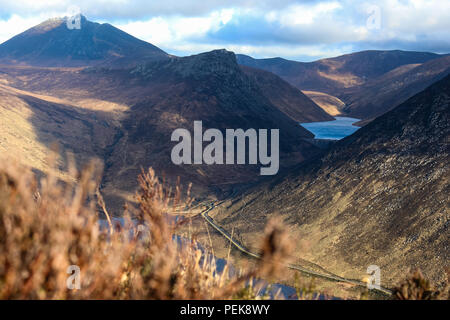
x: 299, y: 30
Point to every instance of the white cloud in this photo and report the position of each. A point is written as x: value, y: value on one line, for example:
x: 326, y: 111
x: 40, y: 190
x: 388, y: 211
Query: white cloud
x: 156, y: 30
x: 168, y: 31
x: 258, y: 27
x: 302, y: 14
x: 15, y: 25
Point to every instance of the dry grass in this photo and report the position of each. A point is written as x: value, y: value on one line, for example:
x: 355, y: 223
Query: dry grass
x: 417, y: 287
x: 49, y: 226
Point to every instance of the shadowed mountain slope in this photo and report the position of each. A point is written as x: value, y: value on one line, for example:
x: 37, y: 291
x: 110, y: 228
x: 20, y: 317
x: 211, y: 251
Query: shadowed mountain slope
x: 287, y: 98
x: 210, y: 87
x: 380, y: 196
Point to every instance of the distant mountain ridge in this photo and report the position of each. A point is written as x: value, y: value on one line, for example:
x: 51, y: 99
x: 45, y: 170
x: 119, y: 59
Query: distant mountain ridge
x: 379, y: 196
x: 52, y: 44
x: 369, y: 83
x: 392, y: 88
x: 330, y: 75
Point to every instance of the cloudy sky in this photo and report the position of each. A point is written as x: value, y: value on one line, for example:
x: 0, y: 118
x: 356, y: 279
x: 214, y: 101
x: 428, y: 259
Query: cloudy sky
x: 301, y: 30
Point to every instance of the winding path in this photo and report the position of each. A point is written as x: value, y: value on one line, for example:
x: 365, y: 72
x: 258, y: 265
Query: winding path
x: 243, y: 249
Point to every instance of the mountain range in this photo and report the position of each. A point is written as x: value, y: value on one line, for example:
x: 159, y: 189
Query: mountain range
x: 333, y: 74
x: 364, y: 84
x: 379, y: 196
x: 133, y: 108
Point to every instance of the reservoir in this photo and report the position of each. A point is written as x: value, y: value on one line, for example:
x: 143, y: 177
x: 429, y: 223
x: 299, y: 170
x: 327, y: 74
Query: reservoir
x: 332, y: 130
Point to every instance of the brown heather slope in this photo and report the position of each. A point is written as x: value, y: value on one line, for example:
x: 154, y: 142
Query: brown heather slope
x: 31, y: 123
x: 380, y: 196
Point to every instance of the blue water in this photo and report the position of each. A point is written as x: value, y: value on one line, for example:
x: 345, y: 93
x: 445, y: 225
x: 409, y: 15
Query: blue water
x: 333, y: 130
